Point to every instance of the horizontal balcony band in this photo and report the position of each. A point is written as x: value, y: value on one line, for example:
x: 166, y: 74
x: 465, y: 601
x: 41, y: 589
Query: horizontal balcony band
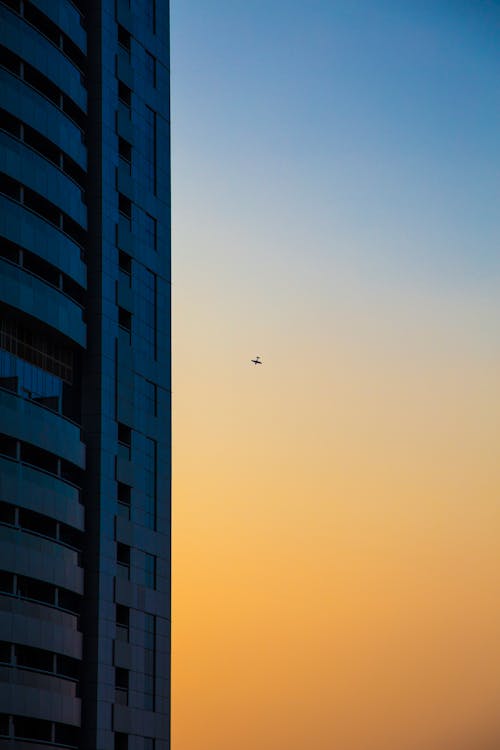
x: 35, y: 490
x: 39, y: 702
x: 23, y: 291
x: 65, y: 15
x: 29, y: 629
x: 40, y: 558
x: 24, y: 165
x: 25, y: 41
x: 126, y: 719
x: 35, y: 110
x: 30, y: 231
x: 48, y: 618
x: 32, y: 423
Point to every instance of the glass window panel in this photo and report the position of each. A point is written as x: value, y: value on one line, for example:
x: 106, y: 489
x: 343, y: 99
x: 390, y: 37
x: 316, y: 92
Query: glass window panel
x: 150, y: 15
x: 151, y: 69
x: 149, y: 570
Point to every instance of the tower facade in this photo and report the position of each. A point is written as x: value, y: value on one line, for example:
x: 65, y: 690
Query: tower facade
x: 85, y: 399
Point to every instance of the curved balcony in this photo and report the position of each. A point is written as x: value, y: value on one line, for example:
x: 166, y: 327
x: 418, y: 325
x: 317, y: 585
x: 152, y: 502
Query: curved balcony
x: 40, y: 558
x: 40, y: 300
x: 32, y: 232
x: 34, y: 490
x: 35, y: 110
x: 29, y: 630
x: 35, y: 49
x: 36, y: 695
x: 66, y: 16
x: 37, y: 625
x: 29, y: 168
x: 32, y: 423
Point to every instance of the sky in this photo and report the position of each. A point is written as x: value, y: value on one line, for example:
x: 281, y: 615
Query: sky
x: 336, y: 515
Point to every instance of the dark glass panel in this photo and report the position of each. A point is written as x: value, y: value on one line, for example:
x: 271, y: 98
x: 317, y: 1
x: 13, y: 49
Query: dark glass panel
x: 32, y: 729
x: 7, y: 513
x: 34, y: 658
x: 37, y: 523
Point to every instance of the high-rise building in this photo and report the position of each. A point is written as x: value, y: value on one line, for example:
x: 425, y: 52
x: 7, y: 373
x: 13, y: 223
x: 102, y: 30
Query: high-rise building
x: 85, y: 398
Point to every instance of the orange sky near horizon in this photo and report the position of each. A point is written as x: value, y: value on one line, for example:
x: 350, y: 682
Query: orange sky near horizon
x: 336, y: 519
x: 336, y: 514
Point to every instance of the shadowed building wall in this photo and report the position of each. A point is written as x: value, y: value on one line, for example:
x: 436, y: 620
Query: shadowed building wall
x: 84, y: 374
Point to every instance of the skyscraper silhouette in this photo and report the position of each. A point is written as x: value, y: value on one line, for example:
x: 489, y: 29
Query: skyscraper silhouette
x: 85, y: 397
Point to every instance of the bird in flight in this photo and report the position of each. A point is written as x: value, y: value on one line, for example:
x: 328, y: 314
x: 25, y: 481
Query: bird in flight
x: 256, y: 361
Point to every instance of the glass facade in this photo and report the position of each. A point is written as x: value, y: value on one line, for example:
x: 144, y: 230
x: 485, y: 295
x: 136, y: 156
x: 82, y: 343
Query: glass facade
x: 150, y: 147
x: 85, y: 374
x: 146, y: 326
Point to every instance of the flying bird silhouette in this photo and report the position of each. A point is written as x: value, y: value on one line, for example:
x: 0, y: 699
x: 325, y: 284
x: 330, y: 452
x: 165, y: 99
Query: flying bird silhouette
x: 256, y: 361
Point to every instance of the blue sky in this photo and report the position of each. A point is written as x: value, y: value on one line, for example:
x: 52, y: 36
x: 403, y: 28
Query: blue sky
x: 335, y: 211
x: 377, y: 121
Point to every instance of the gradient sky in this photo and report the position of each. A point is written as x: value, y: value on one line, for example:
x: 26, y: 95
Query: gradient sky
x: 336, y: 511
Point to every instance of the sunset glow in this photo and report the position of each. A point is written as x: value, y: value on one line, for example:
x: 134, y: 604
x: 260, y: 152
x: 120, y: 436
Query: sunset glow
x: 336, y: 564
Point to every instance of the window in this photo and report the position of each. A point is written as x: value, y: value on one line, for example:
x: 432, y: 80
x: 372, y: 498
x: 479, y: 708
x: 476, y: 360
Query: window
x: 151, y: 69
x: 37, y: 523
x: 124, y: 441
x: 121, y: 686
x: 122, y: 622
x: 149, y: 570
x: 146, y: 311
x: 123, y: 496
x: 43, y: 146
x: 7, y: 514
x: 150, y: 15
x: 123, y: 560
x: 121, y: 741
x: 149, y: 661
x: 125, y: 263
x: 5, y: 652
x: 34, y: 456
x: 150, y: 482
x: 32, y: 729
x: 39, y: 591
x: 66, y: 735
x: 125, y: 206
x: 124, y: 95
x: 37, y: 348
x: 69, y: 601
x: 6, y: 582
x: 146, y: 228
x: 124, y: 39
x: 51, y: 31
x: 151, y: 400
x: 4, y: 725
x: 68, y: 667
x: 147, y: 398
x: 150, y: 149
x: 125, y: 153
x: 125, y: 319
x: 43, y: 85
x: 150, y: 232
x: 34, y: 658
x: 44, y: 208
x: 41, y: 459
x: 8, y: 446
x: 70, y: 537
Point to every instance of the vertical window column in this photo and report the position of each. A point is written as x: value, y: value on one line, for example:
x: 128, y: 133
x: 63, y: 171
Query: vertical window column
x: 150, y: 483
x: 149, y: 661
x: 150, y: 149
